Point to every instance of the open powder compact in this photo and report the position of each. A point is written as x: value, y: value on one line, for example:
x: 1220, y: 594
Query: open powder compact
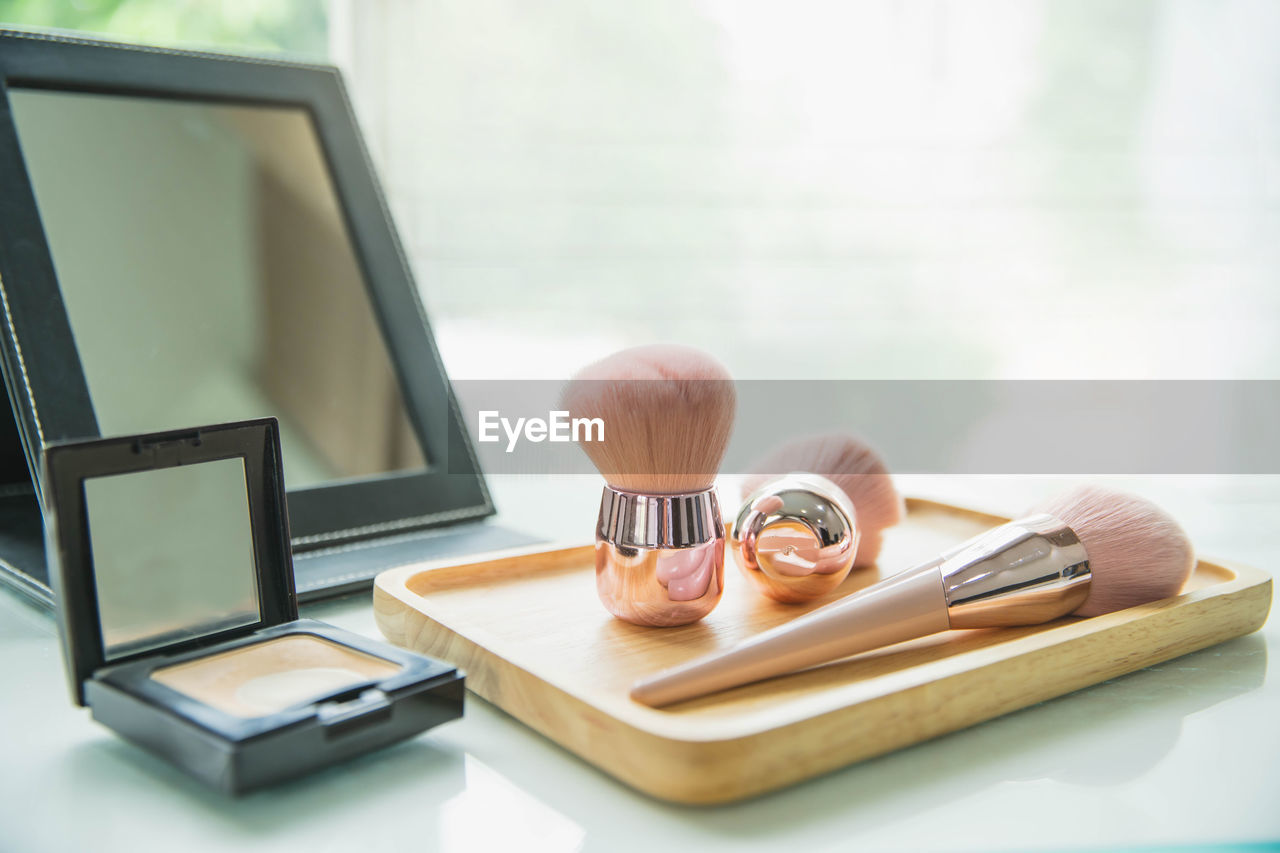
x: 170, y: 556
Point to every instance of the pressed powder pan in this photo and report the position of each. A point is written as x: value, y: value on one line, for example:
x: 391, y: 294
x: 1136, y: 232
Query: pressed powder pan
x: 271, y: 676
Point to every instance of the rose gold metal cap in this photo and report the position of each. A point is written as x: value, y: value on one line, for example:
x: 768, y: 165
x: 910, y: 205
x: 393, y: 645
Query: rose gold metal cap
x: 659, y: 558
x: 795, y: 538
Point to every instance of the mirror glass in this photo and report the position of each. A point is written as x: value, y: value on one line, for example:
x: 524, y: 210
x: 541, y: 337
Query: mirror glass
x: 207, y: 271
x: 172, y: 554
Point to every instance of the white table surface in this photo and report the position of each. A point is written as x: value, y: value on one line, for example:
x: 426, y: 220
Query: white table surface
x: 1186, y: 753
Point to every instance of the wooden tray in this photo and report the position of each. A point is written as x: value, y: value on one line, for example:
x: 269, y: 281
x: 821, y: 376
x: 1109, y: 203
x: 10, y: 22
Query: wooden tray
x: 535, y: 642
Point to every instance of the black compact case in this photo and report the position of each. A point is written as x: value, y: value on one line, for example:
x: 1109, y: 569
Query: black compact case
x: 186, y: 639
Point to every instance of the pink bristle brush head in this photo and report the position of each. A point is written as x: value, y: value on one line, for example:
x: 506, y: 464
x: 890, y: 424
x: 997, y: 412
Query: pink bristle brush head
x: 1137, y: 552
x: 667, y: 413
x: 856, y: 469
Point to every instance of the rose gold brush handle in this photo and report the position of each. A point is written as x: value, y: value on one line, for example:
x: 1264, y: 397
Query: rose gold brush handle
x: 1022, y: 573
x: 908, y: 605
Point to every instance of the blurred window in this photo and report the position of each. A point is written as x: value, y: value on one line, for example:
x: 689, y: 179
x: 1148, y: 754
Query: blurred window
x: 903, y: 188
x: 818, y: 188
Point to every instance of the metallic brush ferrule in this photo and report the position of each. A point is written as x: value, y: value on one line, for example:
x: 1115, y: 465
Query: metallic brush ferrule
x: 632, y: 520
x: 659, y: 558
x: 1025, y: 572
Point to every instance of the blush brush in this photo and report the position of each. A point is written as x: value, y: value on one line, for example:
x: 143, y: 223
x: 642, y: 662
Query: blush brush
x: 1088, y: 552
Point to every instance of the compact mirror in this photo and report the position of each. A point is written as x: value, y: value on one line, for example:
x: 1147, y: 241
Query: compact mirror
x: 208, y: 276
x: 179, y: 620
x: 172, y: 555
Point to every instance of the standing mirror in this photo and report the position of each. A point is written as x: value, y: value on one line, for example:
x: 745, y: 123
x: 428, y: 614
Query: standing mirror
x: 208, y: 275
x: 190, y: 238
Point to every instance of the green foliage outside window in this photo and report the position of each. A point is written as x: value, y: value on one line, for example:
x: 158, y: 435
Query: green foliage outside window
x: 297, y: 27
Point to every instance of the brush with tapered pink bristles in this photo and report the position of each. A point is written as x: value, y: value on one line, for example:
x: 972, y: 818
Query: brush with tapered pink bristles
x: 1137, y: 551
x: 1088, y: 552
x: 667, y: 413
x: 818, y: 508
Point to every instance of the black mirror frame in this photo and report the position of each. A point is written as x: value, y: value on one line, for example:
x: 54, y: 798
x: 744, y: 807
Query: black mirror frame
x: 42, y: 370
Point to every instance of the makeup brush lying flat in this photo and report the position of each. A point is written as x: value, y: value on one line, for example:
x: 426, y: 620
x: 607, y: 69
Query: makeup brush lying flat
x: 1088, y: 552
